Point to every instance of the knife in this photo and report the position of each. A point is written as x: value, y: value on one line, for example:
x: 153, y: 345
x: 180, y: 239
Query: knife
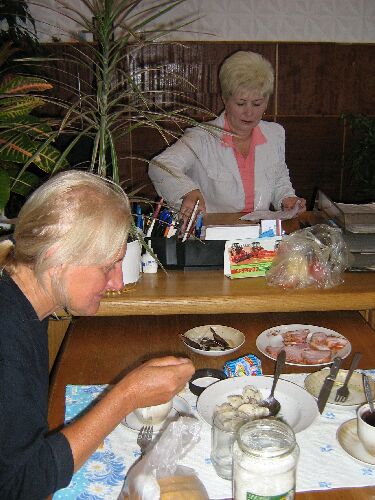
x: 328, y: 384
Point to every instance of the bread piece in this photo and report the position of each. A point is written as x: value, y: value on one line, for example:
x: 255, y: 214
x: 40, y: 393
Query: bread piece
x: 182, y: 488
x: 179, y: 488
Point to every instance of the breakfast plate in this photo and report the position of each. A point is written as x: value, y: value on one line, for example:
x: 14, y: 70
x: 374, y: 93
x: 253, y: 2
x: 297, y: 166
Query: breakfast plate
x: 180, y: 408
x: 298, y: 407
x: 314, y: 382
x: 305, y: 345
x: 349, y: 441
x: 232, y: 336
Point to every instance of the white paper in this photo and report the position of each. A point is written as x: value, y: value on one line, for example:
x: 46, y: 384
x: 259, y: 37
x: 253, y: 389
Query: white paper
x: 270, y: 215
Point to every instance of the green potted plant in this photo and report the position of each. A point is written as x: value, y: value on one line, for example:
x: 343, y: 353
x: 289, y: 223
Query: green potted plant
x: 26, y: 154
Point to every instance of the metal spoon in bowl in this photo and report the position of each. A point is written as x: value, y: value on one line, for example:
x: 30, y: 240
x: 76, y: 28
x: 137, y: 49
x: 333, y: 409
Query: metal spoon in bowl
x: 271, y: 402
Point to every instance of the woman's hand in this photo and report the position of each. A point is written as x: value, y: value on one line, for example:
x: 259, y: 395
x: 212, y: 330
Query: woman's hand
x: 156, y: 381
x: 290, y: 202
x: 187, y: 207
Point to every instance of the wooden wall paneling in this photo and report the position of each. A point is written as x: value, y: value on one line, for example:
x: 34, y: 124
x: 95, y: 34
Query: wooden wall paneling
x: 320, y: 78
x: 313, y: 153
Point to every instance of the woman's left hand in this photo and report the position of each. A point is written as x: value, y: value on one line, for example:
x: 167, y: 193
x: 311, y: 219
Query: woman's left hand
x: 289, y: 203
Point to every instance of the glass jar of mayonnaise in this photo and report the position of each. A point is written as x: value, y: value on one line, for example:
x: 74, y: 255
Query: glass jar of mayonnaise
x: 265, y: 456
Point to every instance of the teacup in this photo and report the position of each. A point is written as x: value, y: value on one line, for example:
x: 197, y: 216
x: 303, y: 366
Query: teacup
x: 153, y: 414
x: 366, y: 428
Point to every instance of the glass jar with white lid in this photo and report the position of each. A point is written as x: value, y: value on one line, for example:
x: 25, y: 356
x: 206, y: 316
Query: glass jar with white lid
x: 265, y: 457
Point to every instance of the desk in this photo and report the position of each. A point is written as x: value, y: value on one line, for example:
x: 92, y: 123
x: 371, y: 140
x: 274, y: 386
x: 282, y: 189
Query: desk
x: 210, y: 292
x: 98, y: 350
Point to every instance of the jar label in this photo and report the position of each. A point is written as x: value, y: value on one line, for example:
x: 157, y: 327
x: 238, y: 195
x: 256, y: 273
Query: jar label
x: 284, y: 496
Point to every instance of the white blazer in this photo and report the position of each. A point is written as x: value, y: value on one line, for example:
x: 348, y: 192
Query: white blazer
x: 199, y: 160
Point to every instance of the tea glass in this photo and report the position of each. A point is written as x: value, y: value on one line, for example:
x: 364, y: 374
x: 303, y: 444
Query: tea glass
x: 366, y: 428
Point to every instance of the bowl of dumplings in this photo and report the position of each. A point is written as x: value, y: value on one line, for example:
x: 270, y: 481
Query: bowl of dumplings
x: 213, y: 340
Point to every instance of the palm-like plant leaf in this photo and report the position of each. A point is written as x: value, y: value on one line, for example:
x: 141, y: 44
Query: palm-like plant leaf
x: 117, y: 102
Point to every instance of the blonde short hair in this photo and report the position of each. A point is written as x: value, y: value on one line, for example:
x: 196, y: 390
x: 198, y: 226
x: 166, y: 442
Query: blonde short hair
x: 246, y: 70
x: 84, y: 218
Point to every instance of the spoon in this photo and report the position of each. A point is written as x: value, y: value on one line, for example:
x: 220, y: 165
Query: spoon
x: 271, y: 402
x: 367, y: 388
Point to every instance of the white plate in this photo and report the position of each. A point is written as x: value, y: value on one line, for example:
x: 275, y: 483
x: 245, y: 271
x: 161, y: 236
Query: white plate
x: 314, y: 382
x: 180, y: 407
x: 263, y: 341
x: 234, y: 337
x: 298, y: 407
x: 349, y: 441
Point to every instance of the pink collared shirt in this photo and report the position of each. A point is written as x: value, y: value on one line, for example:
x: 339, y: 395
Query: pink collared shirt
x: 245, y: 165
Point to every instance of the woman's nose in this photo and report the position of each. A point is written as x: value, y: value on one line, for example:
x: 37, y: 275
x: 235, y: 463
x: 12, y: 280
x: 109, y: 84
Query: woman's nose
x: 115, y: 279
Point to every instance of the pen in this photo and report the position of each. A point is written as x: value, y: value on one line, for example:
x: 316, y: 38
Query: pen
x: 191, y: 220
x: 139, y: 219
x: 198, y: 225
x: 150, y: 230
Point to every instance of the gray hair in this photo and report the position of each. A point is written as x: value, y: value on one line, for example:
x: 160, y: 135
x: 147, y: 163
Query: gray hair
x: 84, y: 218
x: 246, y: 70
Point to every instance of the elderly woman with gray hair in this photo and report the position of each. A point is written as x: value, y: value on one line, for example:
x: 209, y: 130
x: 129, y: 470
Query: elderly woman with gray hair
x: 239, y: 167
x: 70, y: 239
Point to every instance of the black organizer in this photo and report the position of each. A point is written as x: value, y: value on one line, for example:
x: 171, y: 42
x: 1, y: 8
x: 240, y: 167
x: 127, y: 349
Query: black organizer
x: 190, y: 255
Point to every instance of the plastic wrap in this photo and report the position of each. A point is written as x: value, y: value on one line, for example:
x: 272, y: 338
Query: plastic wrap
x: 314, y: 256
x: 157, y: 476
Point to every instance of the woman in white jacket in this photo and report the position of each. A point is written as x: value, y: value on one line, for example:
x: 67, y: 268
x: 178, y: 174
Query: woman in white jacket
x: 238, y: 167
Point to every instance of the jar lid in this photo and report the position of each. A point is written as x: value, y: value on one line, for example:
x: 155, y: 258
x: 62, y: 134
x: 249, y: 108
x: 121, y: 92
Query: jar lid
x: 203, y: 378
x: 268, y: 437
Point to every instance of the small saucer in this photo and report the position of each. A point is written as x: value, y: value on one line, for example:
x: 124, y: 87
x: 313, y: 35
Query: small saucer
x: 348, y: 438
x: 180, y: 407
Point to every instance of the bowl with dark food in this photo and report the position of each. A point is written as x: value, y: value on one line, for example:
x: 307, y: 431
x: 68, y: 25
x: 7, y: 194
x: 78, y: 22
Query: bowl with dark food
x: 213, y: 340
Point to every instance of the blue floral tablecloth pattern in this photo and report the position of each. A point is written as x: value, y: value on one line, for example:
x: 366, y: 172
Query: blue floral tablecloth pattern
x: 322, y: 464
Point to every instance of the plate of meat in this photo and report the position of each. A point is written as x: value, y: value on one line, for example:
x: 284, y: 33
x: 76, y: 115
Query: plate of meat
x: 304, y: 344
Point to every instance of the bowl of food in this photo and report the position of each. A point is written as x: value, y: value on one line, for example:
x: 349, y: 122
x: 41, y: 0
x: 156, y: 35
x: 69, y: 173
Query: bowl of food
x: 213, y: 340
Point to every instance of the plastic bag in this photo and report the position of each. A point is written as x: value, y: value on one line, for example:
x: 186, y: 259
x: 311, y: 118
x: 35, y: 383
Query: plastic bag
x: 157, y: 476
x: 314, y: 256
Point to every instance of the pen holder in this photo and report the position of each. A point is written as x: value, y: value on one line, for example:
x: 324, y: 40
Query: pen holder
x: 190, y: 255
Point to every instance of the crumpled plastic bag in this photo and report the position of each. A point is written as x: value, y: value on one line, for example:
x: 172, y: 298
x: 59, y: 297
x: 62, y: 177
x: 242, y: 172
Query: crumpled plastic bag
x: 313, y: 256
x: 157, y: 476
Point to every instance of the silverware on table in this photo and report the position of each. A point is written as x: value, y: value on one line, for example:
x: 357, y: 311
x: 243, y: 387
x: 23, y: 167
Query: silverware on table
x: 368, y: 392
x: 144, y: 437
x: 342, y: 393
x: 271, y: 402
x: 328, y: 384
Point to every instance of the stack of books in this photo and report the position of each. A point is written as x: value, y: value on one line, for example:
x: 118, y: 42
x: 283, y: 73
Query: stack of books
x: 357, y: 222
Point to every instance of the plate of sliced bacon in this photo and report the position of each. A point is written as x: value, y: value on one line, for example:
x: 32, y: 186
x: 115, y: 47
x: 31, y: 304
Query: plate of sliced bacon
x: 304, y: 344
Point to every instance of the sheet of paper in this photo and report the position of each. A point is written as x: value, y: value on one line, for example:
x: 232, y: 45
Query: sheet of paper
x: 270, y: 215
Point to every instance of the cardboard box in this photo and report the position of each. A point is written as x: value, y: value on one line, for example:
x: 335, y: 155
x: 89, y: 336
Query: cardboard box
x: 249, y: 258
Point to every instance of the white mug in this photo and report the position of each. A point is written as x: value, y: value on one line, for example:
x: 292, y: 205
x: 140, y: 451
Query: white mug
x: 366, y: 428
x: 153, y: 414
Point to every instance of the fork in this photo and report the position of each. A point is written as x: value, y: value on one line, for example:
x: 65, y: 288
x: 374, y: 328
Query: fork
x: 342, y: 393
x: 144, y: 437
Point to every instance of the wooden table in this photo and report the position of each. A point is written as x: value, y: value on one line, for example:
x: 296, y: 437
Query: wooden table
x: 99, y: 350
x: 210, y: 292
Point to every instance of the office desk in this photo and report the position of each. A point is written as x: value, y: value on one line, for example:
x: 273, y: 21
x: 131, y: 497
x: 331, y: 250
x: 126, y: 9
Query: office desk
x: 98, y: 350
x: 210, y: 292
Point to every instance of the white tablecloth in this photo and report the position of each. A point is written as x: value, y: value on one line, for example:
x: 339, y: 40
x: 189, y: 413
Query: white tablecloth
x: 323, y: 464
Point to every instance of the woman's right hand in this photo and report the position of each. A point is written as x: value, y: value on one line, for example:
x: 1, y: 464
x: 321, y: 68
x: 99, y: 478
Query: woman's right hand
x: 188, y: 204
x: 156, y: 381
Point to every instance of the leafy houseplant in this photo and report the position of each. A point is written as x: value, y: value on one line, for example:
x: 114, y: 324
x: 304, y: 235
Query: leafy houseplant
x: 359, y: 163
x: 116, y: 102
x: 23, y: 144
x: 113, y: 100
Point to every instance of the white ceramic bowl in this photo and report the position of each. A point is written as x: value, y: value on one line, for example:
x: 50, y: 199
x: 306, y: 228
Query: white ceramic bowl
x: 234, y: 337
x: 151, y: 415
